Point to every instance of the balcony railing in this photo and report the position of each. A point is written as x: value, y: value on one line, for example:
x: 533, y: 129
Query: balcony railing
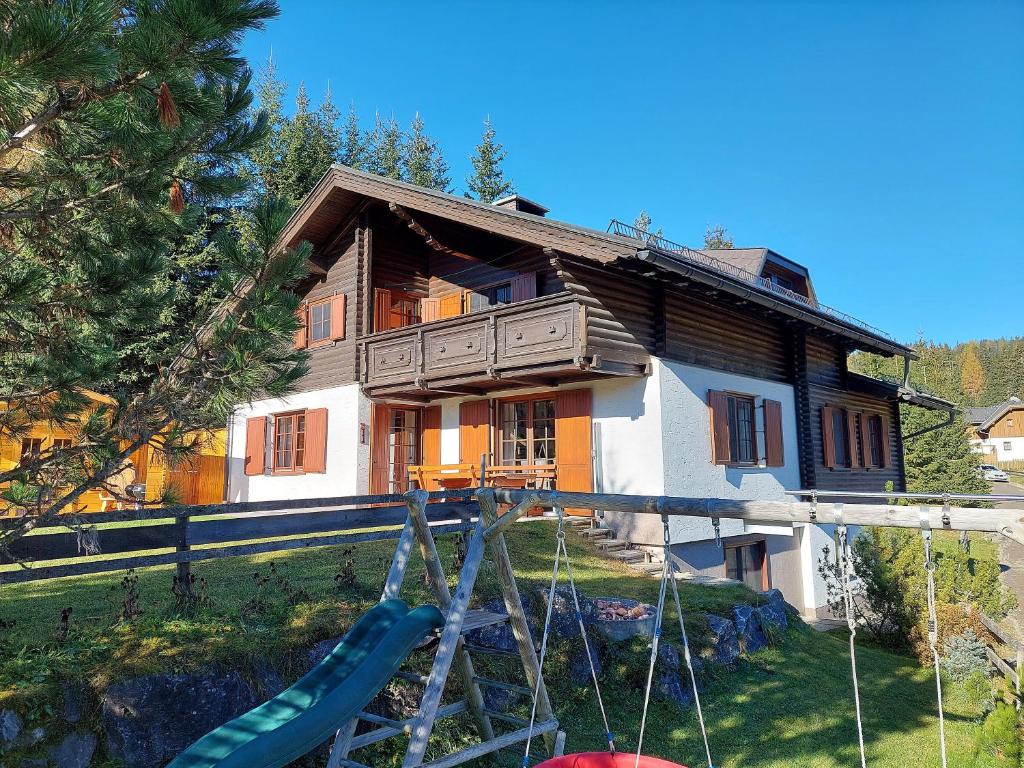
x: 543, y: 332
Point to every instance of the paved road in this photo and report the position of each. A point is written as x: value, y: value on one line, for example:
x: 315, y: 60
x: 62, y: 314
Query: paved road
x: 1011, y: 557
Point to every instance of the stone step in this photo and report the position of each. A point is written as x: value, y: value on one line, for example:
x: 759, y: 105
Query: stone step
x: 654, y: 569
x: 578, y: 522
x: 610, y: 544
x: 596, y: 533
x: 628, y: 555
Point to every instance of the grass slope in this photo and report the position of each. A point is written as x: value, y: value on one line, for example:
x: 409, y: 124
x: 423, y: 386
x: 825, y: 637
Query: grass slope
x: 789, y: 705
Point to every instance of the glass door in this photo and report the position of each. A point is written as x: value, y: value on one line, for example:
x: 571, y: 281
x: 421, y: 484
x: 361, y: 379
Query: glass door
x: 403, y: 447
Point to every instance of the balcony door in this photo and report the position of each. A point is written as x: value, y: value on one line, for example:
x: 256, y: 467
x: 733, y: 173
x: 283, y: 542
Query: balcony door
x: 402, y: 437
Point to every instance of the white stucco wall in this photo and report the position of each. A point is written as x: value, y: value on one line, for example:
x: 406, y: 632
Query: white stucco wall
x: 686, y: 447
x: 995, y: 448
x: 347, y: 459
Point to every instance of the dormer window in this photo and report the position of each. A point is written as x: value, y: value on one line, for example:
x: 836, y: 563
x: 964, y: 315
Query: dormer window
x: 783, y: 282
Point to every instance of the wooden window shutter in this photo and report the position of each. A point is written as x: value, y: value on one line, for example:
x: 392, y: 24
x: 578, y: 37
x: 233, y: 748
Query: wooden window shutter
x: 450, y: 305
x: 474, y: 431
x: 379, y: 426
x: 300, y: 333
x: 381, y: 309
x: 574, y: 443
x: 315, y: 459
x: 430, y: 440
x: 851, y: 435
x: 718, y: 413
x: 886, y: 442
x: 255, y: 445
x: 524, y: 286
x: 774, y: 450
x: 828, y: 439
x: 338, y: 306
x: 430, y: 309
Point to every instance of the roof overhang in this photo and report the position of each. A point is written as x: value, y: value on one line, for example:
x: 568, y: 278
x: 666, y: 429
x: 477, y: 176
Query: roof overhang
x: 342, y: 191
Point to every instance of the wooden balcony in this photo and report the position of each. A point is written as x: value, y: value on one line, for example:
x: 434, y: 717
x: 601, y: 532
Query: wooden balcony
x: 537, y: 342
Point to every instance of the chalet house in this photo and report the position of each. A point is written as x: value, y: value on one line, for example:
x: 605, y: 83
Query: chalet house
x: 442, y: 330
x: 997, y: 431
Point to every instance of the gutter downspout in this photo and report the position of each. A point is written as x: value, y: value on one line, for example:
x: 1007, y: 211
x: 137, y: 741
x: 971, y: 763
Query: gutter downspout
x: 906, y: 393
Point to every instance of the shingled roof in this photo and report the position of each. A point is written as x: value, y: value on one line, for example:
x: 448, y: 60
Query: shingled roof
x: 985, y: 416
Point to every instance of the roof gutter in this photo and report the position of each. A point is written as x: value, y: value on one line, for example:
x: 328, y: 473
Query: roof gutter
x: 911, y: 396
x: 738, y: 288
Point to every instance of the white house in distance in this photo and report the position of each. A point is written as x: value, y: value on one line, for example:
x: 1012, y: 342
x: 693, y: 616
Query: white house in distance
x: 997, y: 431
x: 443, y: 330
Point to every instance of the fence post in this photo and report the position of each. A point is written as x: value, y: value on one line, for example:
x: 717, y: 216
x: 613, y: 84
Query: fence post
x: 183, y: 574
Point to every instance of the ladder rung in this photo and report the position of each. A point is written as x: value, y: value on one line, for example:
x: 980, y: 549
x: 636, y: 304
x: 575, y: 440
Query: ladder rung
x: 486, y: 681
x: 506, y: 718
x: 487, y: 747
x: 370, y: 717
x: 490, y: 651
x: 411, y: 677
x: 386, y: 732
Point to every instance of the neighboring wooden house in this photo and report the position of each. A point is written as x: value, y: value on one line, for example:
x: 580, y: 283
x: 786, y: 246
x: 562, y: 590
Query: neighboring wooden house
x: 198, y: 481
x: 997, y: 431
x: 442, y: 330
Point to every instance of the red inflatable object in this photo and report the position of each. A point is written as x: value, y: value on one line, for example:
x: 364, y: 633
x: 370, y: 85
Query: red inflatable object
x: 606, y: 760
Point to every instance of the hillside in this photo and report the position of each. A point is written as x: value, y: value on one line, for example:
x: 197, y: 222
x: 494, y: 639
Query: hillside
x: 979, y: 372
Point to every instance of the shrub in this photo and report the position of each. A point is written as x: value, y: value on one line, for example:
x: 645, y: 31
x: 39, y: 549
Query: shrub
x: 999, y: 735
x: 965, y: 655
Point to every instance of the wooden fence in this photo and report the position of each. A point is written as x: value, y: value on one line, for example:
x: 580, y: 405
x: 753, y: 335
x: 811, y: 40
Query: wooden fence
x: 186, y: 534
x: 1006, y: 654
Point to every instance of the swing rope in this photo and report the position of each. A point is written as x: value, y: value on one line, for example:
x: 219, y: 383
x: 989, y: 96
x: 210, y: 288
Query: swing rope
x: 933, y: 623
x: 845, y: 563
x: 654, y: 658
x: 686, y: 645
x: 560, y: 551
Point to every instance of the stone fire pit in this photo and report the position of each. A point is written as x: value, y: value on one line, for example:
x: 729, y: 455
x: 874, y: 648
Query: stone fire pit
x: 619, y: 618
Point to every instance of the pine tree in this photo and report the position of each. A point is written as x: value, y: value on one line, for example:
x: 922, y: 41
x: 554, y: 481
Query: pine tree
x: 355, y: 144
x: 488, y: 182
x: 939, y: 461
x: 424, y: 163
x: 387, y: 148
x: 717, y: 237
x: 643, y: 223
x: 265, y: 157
x: 119, y: 133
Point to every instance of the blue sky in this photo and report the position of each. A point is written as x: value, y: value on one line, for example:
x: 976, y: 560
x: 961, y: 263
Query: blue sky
x: 879, y: 143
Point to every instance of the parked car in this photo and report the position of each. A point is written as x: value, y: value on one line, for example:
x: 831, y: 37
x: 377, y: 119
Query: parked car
x: 993, y: 474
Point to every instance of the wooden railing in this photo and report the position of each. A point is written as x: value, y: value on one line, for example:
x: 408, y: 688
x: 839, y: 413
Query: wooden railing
x: 546, y: 330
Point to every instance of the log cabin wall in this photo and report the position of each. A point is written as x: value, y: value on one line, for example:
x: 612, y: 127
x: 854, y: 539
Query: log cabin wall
x: 622, y: 317
x: 401, y: 260
x: 334, y: 364
x: 450, y: 273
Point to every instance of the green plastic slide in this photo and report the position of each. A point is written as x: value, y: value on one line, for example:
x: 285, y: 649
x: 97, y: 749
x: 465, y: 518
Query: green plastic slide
x: 307, y: 714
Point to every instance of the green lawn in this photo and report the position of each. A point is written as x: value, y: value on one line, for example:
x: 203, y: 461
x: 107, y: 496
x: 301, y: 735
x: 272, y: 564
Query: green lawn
x: 790, y: 705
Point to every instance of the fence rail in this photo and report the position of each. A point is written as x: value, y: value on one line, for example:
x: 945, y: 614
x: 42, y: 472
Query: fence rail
x: 1011, y: 667
x: 183, y: 535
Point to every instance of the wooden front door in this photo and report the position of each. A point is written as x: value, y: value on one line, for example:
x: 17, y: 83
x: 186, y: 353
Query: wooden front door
x: 573, y: 443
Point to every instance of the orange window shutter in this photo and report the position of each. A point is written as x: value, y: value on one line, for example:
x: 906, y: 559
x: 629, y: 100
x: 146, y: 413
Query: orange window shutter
x: 851, y: 433
x: 300, y: 333
x: 430, y: 440
x: 474, y: 431
x: 315, y: 459
x: 573, y: 443
x: 381, y: 309
x: 430, y: 309
x: 886, y: 442
x: 255, y: 445
x: 774, y: 449
x: 451, y: 305
x: 338, y: 307
x: 379, y: 449
x: 828, y: 439
x: 718, y: 412
x: 524, y: 286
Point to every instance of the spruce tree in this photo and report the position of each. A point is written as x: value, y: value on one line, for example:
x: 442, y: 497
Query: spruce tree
x: 487, y: 182
x: 355, y: 143
x: 387, y: 148
x: 119, y: 134
x: 939, y: 461
x: 424, y: 163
